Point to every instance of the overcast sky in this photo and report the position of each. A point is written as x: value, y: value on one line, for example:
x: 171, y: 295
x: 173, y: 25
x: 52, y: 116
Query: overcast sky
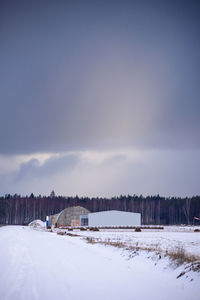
x: 100, y: 98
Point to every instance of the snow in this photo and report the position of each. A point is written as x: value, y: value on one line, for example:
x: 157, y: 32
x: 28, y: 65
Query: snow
x: 43, y: 265
x: 37, y: 224
x: 170, y: 238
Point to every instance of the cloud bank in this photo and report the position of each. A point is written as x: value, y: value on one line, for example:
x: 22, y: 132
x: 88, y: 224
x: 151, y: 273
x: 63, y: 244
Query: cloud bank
x: 82, y: 76
x: 87, y: 85
x: 168, y: 173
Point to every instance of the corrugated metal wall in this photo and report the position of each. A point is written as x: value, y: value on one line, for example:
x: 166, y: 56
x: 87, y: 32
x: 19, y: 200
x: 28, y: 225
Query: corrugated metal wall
x: 69, y: 216
x: 114, y: 218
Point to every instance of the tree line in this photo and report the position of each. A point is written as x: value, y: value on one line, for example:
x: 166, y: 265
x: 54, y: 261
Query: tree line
x: 157, y: 210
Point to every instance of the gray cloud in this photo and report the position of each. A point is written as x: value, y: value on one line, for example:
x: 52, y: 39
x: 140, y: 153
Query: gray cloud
x: 99, y: 75
x: 169, y: 173
x: 33, y: 169
x: 107, y: 91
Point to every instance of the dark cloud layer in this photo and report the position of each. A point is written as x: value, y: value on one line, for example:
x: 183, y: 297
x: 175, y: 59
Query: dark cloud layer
x: 99, y: 74
x: 100, y: 98
x: 169, y: 173
x: 33, y: 169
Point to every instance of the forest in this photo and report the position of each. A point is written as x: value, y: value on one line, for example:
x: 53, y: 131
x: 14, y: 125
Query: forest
x: 155, y: 210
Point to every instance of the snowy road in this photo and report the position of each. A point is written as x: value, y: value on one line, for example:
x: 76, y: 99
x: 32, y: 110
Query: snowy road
x: 43, y: 265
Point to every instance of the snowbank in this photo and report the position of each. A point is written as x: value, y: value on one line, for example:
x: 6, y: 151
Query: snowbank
x: 170, y: 238
x: 37, y: 224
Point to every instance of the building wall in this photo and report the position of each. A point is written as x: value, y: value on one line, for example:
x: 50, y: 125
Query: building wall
x: 71, y: 213
x: 52, y: 219
x: 114, y: 218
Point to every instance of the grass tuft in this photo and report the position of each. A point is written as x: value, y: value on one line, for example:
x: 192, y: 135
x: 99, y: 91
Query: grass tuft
x: 180, y: 256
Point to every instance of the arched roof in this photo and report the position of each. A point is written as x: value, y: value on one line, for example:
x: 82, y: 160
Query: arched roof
x: 68, y: 214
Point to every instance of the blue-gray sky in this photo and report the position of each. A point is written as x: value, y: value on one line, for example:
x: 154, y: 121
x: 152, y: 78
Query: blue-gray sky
x: 100, y: 97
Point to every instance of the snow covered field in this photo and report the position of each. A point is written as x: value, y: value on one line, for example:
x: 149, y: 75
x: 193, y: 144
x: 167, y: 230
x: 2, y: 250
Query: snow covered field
x: 171, y: 238
x: 43, y: 265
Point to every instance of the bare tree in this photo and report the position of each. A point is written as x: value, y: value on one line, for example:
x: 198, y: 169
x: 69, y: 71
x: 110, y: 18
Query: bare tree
x: 186, y: 209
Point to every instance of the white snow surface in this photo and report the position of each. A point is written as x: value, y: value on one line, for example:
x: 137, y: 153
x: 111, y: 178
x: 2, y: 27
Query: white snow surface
x: 43, y: 265
x: 37, y: 224
x: 171, y: 238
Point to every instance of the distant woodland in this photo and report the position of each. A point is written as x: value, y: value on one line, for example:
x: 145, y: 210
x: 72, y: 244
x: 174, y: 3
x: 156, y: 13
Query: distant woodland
x: 154, y: 209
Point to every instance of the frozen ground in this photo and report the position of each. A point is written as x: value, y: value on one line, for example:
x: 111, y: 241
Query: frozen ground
x: 170, y: 238
x: 37, y: 224
x: 42, y: 265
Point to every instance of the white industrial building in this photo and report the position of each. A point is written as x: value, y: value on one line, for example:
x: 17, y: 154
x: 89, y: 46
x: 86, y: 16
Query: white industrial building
x: 112, y: 218
x: 79, y: 216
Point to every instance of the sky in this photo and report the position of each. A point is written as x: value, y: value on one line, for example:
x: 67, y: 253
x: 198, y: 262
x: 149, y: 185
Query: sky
x: 100, y: 98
